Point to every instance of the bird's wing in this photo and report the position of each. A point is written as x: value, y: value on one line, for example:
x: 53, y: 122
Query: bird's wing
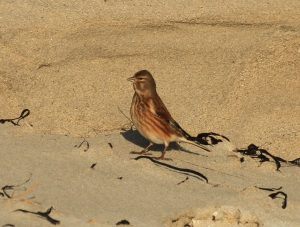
x: 158, y: 108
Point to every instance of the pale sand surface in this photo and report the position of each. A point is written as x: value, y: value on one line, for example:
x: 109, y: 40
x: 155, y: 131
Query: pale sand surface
x: 231, y: 68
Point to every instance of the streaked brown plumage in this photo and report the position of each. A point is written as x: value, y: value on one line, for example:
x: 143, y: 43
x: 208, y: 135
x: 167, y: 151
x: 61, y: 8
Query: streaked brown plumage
x: 151, y: 117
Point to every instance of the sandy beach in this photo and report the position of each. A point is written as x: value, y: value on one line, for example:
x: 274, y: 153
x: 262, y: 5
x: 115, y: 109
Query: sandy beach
x: 225, y: 67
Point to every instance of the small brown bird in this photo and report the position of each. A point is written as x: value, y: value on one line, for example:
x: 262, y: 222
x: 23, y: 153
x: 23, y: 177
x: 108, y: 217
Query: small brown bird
x: 151, y: 117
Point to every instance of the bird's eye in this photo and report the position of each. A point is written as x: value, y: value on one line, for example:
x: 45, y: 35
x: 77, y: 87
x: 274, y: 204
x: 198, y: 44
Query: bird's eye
x: 140, y: 79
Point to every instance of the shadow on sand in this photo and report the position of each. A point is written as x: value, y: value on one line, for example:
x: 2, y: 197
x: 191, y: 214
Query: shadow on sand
x: 136, y: 138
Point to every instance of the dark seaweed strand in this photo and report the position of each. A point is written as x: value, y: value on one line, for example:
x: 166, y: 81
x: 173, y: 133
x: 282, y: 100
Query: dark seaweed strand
x: 253, y: 150
x: 5, y: 189
x: 276, y: 159
x: 274, y: 196
x: 11, y: 187
x: 295, y: 162
x: 87, y: 145
x: 44, y: 215
x: 123, y: 222
x: 201, y: 138
x: 93, y: 165
x: 181, y: 182
x: 254, y: 153
x: 24, y: 114
x: 174, y: 167
x: 269, y: 189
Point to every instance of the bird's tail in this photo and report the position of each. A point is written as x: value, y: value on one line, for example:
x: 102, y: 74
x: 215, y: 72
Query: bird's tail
x: 187, y: 138
x: 206, y: 140
x: 193, y: 140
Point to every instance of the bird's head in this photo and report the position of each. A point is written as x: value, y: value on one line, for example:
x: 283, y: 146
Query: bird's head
x: 143, y: 83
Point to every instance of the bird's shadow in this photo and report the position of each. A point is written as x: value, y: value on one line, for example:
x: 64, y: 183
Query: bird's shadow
x: 136, y: 138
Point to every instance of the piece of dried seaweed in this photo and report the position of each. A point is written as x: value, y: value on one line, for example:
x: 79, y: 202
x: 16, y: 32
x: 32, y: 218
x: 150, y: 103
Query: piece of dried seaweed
x: 15, y: 121
x: 93, y: 165
x: 84, y: 142
x: 182, y: 170
x: 255, y: 152
x: 181, y: 182
x: 274, y: 195
x: 123, y: 222
x: 5, y: 189
x: 44, y: 215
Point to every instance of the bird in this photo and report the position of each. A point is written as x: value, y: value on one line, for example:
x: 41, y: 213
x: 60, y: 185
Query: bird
x: 151, y: 117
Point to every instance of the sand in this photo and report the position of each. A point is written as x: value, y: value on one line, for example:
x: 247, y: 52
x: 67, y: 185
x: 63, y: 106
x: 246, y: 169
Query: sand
x: 231, y: 68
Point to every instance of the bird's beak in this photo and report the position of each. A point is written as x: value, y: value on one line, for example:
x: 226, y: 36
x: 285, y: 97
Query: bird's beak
x: 131, y: 79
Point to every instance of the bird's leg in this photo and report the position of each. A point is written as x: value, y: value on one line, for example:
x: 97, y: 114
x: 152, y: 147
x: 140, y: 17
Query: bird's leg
x: 162, y: 157
x: 144, y: 151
